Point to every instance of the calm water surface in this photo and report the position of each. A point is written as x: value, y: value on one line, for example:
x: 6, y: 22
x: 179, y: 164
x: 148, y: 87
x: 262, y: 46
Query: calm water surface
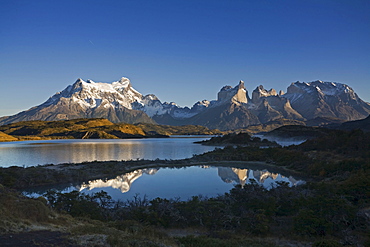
x: 180, y: 183
x: 30, y: 153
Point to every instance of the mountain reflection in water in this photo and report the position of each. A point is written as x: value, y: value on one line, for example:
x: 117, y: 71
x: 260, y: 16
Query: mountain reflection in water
x: 263, y: 177
x: 122, y: 182
x: 172, y: 183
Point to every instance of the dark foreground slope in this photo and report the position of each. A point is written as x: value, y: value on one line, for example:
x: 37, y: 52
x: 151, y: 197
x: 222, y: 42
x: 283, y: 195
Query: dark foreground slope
x: 332, y: 209
x: 363, y: 124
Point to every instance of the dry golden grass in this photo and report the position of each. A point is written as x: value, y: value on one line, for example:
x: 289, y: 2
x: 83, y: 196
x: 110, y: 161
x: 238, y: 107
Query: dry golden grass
x: 6, y: 138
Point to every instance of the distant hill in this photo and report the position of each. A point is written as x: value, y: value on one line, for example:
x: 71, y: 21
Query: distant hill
x: 297, y: 132
x: 241, y: 139
x: 178, y: 130
x: 93, y: 128
x: 324, y: 121
x: 363, y: 125
x: 269, y: 126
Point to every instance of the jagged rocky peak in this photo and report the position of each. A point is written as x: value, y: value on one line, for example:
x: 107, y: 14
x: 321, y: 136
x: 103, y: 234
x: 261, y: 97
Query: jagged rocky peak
x: 204, y: 103
x: 79, y: 80
x: 150, y: 97
x: 124, y: 85
x: 260, y: 91
x: 326, y: 99
x: 123, y: 82
x: 78, y: 83
x: 322, y: 87
x: 296, y: 87
x: 201, y: 105
x: 241, y: 85
x: 238, y: 94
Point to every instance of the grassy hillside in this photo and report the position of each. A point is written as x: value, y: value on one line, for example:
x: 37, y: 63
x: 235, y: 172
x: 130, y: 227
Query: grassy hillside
x: 72, y: 129
x: 7, y: 138
x: 93, y: 128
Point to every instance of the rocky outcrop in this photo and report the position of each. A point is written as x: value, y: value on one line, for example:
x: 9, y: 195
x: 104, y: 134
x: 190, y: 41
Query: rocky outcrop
x: 260, y: 92
x: 269, y: 106
x: 237, y: 95
x: 225, y: 116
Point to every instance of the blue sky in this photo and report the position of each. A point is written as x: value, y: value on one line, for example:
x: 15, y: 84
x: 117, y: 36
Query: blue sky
x: 181, y: 51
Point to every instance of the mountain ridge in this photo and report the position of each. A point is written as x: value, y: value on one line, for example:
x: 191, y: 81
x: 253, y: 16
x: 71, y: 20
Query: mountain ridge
x: 233, y: 109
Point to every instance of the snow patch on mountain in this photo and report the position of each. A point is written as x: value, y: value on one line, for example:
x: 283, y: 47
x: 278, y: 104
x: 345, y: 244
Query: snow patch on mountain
x: 118, y: 94
x: 325, y: 88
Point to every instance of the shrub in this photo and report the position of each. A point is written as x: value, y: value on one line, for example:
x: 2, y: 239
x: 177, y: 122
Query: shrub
x: 326, y: 243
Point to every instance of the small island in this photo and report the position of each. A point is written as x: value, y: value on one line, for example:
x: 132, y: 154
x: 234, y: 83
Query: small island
x: 240, y: 139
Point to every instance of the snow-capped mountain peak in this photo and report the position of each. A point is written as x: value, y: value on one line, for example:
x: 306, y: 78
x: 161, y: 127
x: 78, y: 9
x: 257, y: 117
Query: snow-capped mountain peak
x: 326, y: 88
x: 330, y: 99
x: 90, y: 94
x: 118, y: 94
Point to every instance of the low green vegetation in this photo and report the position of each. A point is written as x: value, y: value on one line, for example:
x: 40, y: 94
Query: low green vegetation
x: 298, y: 132
x: 240, y: 139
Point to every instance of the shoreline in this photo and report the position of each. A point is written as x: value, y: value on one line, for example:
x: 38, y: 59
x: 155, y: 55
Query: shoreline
x: 54, y: 175
x: 66, y: 138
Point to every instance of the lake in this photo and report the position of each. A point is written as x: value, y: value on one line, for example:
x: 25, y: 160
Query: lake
x: 31, y: 153
x: 159, y: 182
x: 182, y: 183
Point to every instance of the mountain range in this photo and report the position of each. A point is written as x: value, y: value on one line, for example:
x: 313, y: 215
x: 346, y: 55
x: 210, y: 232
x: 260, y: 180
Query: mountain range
x: 234, y: 108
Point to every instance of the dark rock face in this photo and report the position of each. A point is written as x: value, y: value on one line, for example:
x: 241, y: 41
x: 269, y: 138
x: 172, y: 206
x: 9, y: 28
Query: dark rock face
x: 226, y: 116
